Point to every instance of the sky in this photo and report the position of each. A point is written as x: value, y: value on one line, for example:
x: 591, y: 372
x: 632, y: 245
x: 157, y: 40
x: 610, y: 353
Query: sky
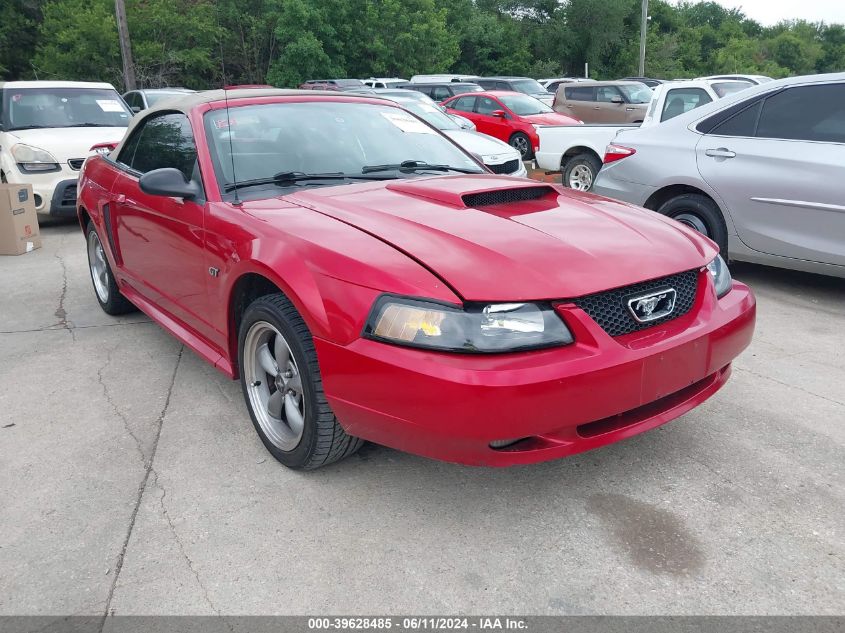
x: 769, y: 12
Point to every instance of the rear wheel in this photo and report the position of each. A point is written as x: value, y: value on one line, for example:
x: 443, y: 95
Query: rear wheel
x: 700, y: 213
x: 522, y: 144
x: 105, y: 287
x: 580, y: 172
x: 283, y: 388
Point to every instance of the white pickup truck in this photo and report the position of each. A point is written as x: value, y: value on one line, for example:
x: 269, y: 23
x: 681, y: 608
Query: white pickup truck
x: 577, y: 151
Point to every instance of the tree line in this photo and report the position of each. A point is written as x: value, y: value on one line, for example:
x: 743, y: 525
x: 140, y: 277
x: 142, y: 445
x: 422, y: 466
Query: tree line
x: 208, y: 43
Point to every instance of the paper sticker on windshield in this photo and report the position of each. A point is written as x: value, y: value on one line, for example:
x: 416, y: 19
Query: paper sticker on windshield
x: 407, y: 123
x: 109, y: 105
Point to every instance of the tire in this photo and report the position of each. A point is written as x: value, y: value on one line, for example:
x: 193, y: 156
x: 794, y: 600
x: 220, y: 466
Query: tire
x: 105, y: 287
x: 700, y: 213
x: 522, y: 144
x: 581, y: 170
x: 306, y: 434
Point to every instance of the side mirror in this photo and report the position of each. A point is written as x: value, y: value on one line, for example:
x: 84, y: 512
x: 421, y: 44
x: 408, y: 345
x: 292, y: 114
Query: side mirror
x: 616, y: 99
x: 499, y: 113
x: 136, y: 109
x: 168, y: 182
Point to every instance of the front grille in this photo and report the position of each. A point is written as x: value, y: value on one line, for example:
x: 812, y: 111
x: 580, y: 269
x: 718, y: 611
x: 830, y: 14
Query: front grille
x: 69, y: 196
x: 505, y: 168
x: 610, y: 309
x: 506, y: 196
x: 76, y: 163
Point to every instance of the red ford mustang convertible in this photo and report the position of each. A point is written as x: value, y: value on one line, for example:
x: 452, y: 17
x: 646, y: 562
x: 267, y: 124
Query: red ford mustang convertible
x: 366, y: 279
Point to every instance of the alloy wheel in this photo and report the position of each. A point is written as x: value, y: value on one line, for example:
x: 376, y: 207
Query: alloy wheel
x: 274, y: 385
x: 99, y: 267
x: 693, y: 221
x: 520, y: 144
x: 581, y: 178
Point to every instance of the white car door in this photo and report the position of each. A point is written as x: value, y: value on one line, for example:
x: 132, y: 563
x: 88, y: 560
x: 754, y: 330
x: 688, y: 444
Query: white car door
x: 779, y: 166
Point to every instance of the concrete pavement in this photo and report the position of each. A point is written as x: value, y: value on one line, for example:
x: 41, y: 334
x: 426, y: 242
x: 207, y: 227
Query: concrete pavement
x: 132, y: 482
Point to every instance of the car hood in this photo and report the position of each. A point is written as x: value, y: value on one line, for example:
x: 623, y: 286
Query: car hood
x: 68, y: 142
x: 564, y: 244
x: 482, y: 145
x: 551, y: 118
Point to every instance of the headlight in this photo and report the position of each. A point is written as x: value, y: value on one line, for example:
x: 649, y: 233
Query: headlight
x: 31, y: 159
x: 722, y: 281
x: 496, y: 327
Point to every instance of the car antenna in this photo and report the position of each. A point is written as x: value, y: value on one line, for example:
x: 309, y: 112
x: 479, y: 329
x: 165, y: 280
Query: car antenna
x: 237, y: 201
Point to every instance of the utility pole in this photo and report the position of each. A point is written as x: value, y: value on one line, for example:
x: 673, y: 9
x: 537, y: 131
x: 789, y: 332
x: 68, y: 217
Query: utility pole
x: 125, y: 45
x: 643, y: 29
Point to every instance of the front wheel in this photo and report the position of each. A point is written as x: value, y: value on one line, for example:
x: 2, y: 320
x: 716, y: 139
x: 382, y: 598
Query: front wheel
x: 105, y: 287
x: 700, y: 213
x: 521, y: 143
x: 580, y: 172
x: 283, y: 388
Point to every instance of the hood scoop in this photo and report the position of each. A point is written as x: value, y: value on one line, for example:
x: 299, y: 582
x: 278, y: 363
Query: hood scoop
x: 473, y: 191
x: 507, y: 196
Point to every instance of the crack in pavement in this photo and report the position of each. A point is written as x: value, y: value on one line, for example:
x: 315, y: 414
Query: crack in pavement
x: 113, y: 404
x: 181, y: 545
x: 57, y: 327
x: 790, y: 385
x: 61, y: 313
x: 142, y: 486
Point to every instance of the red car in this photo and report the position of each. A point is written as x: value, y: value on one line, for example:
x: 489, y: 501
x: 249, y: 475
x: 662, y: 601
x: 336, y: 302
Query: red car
x: 366, y: 279
x: 508, y: 116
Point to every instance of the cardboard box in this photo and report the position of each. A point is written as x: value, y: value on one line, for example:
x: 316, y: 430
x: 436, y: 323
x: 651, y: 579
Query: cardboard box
x: 19, y: 232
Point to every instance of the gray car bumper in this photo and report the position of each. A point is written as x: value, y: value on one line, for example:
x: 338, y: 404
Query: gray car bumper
x: 609, y: 186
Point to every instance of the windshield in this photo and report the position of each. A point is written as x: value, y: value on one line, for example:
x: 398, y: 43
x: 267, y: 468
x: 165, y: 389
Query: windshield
x: 321, y: 137
x: 637, y: 94
x: 725, y: 88
x: 153, y: 98
x: 523, y: 105
x: 459, y: 90
x: 528, y: 87
x: 27, y: 108
x: 431, y: 114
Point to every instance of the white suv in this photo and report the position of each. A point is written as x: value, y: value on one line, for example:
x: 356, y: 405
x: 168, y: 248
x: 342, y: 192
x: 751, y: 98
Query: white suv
x: 48, y: 129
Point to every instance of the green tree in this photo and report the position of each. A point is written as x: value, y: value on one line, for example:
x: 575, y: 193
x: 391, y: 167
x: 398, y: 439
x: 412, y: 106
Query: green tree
x: 78, y: 40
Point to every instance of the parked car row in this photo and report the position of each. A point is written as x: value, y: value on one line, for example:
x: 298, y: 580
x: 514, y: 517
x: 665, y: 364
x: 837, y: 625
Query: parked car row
x: 578, y: 153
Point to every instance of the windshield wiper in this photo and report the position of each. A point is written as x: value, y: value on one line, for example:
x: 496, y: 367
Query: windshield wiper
x: 91, y: 125
x: 410, y: 166
x: 284, y: 178
x: 30, y: 127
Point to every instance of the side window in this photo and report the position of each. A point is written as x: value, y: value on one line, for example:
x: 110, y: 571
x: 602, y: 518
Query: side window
x: 166, y: 141
x: 464, y: 104
x: 806, y: 113
x: 605, y: 94
x: 426, y: 90
x: 127, y: 154
x: 440, y: 93
x: 741, y: 124
x: 133, y: 101
x: 487, y: 106
x: 580, y: 93
x: 682, y: 100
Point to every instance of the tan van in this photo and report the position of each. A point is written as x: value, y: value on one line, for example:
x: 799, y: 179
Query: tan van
x: 604, y: 101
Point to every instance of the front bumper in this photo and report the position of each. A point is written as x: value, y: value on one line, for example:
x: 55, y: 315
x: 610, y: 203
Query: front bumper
x: 54, y: 192
x: 560, y: 401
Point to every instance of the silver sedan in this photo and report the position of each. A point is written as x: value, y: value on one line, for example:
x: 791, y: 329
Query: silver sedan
x: 760, y: 172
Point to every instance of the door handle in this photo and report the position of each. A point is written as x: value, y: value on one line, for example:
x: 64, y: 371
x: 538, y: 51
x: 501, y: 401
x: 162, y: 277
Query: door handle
x: 720, y: 152
x: 120, y: 198
x: 596, y: 108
